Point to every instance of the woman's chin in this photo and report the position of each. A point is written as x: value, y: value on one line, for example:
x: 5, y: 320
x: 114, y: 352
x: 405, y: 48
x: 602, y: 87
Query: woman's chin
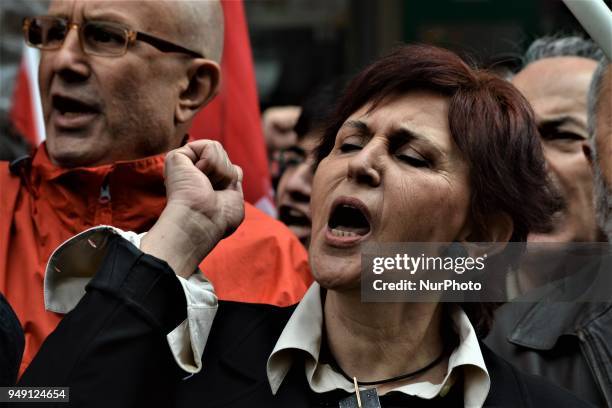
x: 338, y: 281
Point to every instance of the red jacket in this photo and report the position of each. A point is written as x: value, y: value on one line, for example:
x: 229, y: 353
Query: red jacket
x: 42, y: 206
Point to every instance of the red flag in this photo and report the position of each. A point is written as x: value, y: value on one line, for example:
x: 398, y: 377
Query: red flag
x: 233, y: 117
x: 26, y: 110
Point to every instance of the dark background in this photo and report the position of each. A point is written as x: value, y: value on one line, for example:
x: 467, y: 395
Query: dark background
x: 299, y: 44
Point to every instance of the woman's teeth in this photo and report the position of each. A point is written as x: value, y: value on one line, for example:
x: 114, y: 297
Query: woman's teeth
x: 340, y: 233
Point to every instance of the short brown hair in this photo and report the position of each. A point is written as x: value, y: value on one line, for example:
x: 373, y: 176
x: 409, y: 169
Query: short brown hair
x: 490, y: 121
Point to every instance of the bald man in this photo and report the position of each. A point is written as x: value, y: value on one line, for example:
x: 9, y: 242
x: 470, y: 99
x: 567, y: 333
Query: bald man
x: 120, y: 83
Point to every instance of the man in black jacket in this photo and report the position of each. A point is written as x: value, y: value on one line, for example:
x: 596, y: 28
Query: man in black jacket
x: 569, y: 343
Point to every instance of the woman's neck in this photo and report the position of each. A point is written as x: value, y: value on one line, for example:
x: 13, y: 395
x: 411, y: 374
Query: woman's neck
x: 376, y: 341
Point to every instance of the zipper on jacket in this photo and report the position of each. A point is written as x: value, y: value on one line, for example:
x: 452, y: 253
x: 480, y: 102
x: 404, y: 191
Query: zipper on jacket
x: 105, y: 195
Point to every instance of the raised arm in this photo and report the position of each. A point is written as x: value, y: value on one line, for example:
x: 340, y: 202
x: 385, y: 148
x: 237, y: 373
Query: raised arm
x: 112, y: 349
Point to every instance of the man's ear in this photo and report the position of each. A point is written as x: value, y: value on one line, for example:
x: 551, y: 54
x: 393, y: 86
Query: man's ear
x: 490, y: 237
x: 202, y: 85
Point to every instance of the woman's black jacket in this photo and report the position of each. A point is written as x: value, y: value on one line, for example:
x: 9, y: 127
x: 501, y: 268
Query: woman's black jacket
x: 111, y: 350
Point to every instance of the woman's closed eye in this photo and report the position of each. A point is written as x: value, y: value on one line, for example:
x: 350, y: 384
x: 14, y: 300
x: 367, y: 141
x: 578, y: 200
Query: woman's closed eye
x: 411, y: 157
x: 351, y: 143
x: 347, y: 147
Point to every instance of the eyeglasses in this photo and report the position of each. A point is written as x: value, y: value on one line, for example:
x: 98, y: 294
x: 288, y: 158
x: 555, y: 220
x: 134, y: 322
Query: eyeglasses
x: 101, y: 38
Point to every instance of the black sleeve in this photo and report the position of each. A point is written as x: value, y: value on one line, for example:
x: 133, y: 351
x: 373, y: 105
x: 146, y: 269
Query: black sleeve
x: 111, y: 350
x: 12, y: 343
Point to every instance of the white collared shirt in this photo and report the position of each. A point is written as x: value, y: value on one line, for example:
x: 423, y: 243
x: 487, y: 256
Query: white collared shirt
x: 303, y: 332
x: 73, y: 264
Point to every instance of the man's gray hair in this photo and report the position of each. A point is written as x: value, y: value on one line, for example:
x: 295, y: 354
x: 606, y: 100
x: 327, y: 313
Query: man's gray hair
x: 594, y: 92
x: 562, y: 46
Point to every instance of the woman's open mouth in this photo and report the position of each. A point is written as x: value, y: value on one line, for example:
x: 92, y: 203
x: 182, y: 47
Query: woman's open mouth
x: 348, y: 222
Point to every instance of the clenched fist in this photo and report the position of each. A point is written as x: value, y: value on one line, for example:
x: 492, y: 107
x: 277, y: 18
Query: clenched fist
x: 205, y: 204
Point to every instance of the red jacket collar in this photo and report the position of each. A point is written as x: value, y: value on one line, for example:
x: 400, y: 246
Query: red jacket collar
x: 127, y: 194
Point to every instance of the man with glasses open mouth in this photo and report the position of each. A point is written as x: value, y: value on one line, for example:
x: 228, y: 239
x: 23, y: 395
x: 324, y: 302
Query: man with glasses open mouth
x: 120, y: 83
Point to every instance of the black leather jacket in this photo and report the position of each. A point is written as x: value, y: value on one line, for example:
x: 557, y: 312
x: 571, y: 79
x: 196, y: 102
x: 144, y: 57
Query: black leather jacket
x: 569, y: 343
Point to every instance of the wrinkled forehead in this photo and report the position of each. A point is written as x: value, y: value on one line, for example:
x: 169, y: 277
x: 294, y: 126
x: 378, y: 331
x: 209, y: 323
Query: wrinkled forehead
x: 421, y: 113
x: 555, y: 72
x: 153, y: 16
x: 559, y: 83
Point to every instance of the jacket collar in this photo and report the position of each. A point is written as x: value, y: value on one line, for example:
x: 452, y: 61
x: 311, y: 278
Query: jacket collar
x: 128, y: 194
x: 564, y: 307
